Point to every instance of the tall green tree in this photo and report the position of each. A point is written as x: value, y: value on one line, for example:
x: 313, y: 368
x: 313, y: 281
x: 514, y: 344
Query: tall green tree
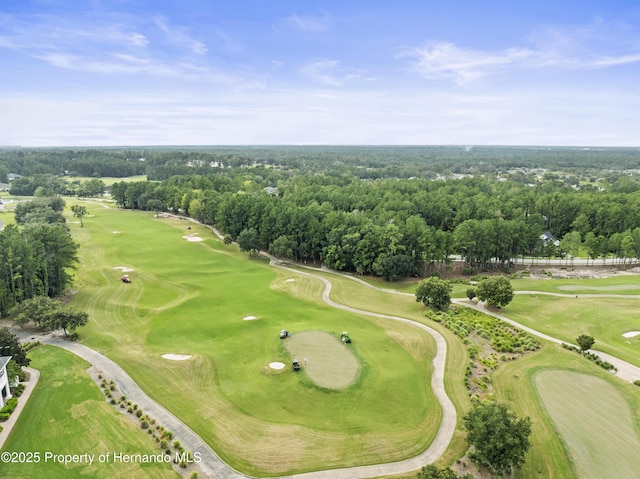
x: 79, y: 211
x: 500, y: 439
x: 248, y: 240
x: 10, y: 346
x: 434, y: 292
x: 496, y: 291
x: 585, y: 342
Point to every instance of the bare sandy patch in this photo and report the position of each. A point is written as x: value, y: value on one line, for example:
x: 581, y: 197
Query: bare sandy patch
x: 249, y: 318
x: 289, y: 280
x: 193, y: 238
x: 631, y: 334
x: 176, y: 357
x: 124, y: 269
x: 116, y: 232
x: 276, y: 365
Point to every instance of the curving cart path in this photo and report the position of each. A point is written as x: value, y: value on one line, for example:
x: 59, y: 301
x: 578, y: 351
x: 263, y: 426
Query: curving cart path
x: 211, y: 464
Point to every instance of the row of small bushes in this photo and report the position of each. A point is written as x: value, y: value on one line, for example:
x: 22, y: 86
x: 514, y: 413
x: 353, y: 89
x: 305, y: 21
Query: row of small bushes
x: 591, y: 357
x: 161, y: 435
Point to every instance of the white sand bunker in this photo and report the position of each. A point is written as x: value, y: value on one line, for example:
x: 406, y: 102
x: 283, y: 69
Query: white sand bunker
x: 276, y: 365
x: 631, y: 334
x: 116, y: 232
x: 124, y: 269
x: 250, y: 318
x: 176, y: 357
x: 289, y: 280
x: 193, y: 238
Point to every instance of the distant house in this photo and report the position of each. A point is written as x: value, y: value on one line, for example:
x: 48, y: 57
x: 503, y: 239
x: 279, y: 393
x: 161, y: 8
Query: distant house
x: 5, y: 392
x: 13, y: 176
x: 271, y: 190
x: 547, y: 238
x: 4, y: 186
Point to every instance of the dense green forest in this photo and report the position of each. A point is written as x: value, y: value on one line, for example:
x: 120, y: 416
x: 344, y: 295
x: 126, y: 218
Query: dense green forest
x: 392, y: 212
x: 37, y: 254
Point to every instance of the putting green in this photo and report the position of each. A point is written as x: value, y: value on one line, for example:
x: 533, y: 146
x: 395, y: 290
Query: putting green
x: 329, y: 363
x: 594, y: 421
x: 192, y: 298
x: 613, y: 287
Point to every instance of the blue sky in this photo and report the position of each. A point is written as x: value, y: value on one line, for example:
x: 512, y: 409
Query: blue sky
x: 212, y: 72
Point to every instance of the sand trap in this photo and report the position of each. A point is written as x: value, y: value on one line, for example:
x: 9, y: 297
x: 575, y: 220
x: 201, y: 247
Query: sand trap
x: 250, y: 318
x: 631, y: 334
x: 289, y: 280
x: 276, y: 365
x: 124, y: 269
x: 176, y: 357
x: 116, y: 232
x: 193, y: 238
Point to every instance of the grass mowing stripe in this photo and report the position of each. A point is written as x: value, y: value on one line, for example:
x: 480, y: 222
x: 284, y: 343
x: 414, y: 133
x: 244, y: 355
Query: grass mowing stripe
x: 595, y: 422
x: 190, y: 298
x: 63, y: 415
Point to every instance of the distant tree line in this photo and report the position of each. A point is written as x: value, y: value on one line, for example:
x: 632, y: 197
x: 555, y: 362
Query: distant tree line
x: 396, y: 228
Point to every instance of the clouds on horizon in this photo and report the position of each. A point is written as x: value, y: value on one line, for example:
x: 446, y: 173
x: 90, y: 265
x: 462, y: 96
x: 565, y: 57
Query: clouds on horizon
x: 287, y: 79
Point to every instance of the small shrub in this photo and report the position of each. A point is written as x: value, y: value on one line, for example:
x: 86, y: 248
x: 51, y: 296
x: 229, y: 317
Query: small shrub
x: 4, y: 416
x: 113, y: 401
x: 139, y: 412
x: 122, y: 405
x: 176, y: 444
x: 130, y: 409
x: 194, y: 475
x: 637, y: 382
x: 144, y: 425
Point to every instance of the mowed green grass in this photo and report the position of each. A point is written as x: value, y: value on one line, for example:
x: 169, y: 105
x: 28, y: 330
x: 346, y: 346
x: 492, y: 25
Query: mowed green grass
x: 549, y: 456
x: 595, y: 422
x: 324, y: 359
x: 108, y: 180
x: 621, y: 284
x: 190, y: 298
x: 605, y: 319
x: 67, y: 414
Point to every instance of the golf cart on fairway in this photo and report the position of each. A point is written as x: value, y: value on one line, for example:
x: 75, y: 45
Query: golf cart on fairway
x: 344, y: 337
x: 284, y: 334
x: 125, y: 279
x: 296, y: 365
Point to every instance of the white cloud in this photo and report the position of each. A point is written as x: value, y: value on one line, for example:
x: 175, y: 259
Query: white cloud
x: 329, y: 72
x: 445, y: 60
x: 309, y: 22
x: 597, y: 45
x: 180, y: 36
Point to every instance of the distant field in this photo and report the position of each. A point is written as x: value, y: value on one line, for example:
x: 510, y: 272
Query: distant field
x: 107, y: 180
x: 191, y: 298
x: 594, y: 421
x: 606, y: 319
x: 64, y: 415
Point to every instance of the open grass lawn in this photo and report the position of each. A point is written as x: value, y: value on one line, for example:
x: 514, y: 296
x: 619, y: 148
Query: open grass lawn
x: 108, y: 180
x: 67, y: 414
x: 622, y: 284
x: 605, y: 319
x: 595, y: 422
x: 351, y: 293
x: 191, y: 298
x: 551, y: 455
